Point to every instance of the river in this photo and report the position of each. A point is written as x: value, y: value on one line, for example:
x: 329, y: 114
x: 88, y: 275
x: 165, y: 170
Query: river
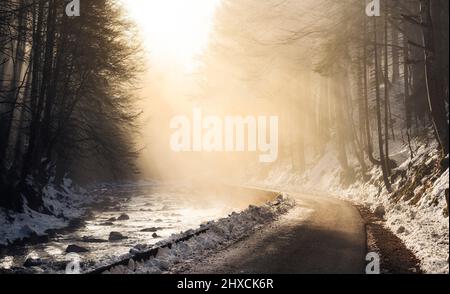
x: 150, y: 213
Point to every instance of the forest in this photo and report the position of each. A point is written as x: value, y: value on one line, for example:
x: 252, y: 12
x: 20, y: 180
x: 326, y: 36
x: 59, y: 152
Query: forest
x: 65, y: 96
x: 361, y: 78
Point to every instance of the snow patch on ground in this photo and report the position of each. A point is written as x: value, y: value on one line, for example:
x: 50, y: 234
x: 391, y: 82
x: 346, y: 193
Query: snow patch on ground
x: 215, y: 236
x: 66, y: 204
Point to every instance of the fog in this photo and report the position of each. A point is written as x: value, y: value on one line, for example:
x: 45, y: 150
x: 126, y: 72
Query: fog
x: 256, y: 62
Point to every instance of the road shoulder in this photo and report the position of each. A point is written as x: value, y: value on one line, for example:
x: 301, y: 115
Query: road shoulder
x: 396, y: 258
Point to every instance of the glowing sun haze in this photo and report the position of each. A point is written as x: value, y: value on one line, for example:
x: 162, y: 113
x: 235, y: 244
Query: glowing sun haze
x: 174, y: 31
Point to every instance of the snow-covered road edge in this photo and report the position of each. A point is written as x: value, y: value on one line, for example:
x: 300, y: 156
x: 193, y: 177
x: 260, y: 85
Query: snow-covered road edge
x: 214, y: 236
x: 421, y: 221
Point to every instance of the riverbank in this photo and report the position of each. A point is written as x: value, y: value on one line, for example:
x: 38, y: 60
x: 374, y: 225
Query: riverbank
x: 67, y: 204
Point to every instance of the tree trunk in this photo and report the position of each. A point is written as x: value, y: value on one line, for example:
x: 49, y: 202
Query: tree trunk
x: 378, y: 106
x: 386, y: 92
x: 407, y: 101
x: 341, y: 137
x: 434, y: 82
x: 369, y: 144
x: 14, y: 87
x: 395, y: 56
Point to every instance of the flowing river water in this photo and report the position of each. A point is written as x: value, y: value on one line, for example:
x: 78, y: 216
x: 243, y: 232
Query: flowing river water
x: 142, y: 213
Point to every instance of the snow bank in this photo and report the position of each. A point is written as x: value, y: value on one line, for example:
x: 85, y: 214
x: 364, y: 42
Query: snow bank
x: 65, y: 204
x: 215, y: 235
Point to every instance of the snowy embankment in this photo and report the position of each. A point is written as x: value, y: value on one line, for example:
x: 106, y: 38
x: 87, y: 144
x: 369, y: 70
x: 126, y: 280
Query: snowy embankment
x: 65, y: 204
x: 193, y: 245
x: 416, y: 211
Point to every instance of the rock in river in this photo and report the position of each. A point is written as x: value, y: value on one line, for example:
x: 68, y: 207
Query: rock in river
x: 90, y: 239
x: 30, y: 262
x: 151, y: 230
x: 116, y: 236
x: 75, y: 249
x: 123, y: 217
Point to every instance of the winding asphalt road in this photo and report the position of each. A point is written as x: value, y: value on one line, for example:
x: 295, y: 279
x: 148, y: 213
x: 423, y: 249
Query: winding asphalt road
x: 320, y: 235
